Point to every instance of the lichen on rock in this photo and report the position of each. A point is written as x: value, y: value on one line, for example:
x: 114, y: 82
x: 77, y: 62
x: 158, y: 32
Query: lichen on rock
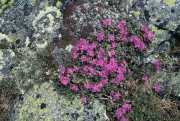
x: 43, y: 102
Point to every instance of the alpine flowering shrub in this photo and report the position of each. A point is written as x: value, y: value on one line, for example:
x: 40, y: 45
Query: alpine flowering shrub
x: 108, y: 64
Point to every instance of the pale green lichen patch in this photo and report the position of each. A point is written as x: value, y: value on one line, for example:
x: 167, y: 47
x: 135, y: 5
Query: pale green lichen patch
x: 137, y: 13
x: 42, y: 102
x: 3, y: 1
x: 159, y: 36
x: 33, y: 2
x: 170, y: 3
x: 58, y: 4
x: 5, y: 4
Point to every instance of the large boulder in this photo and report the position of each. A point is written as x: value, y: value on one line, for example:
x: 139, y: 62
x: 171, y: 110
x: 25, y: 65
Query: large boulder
x: 44, y: 102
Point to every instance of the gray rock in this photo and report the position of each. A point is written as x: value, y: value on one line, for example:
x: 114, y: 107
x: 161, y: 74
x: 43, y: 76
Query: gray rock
x: 7, y: 61
x: 43, y: 102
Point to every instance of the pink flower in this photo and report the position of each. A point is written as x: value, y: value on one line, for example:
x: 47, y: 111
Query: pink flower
x: 111, y: 53
x: 111, y: 38
x: 127, y: 106
x: 157, y: 65
x: 62, y: 70
x: 107, y: 22
x: 156, y: 88
x: 93, y: 46
x: 84, y: 100
x: 95, y: 88
x: 123, y: 31
x: 103, y: 74
x: 124, y: 38
x: 84, y: 58
x: 104, y: 81
x: 85, y: 69
x: 100, y: 37
x: 145, y: 29
x: 124, y: 63
x: 128, y: 83
x: 142, y: 46
x: 70, y: 70
x: 74, y: 88
x: 119, y: 112
x: 75, y: 48
x: 64, y: 80
x: 112, y: 92
x: 87, y: 86
x: 115, y: 81
x: 121, y: 24
x: 90, y: 53
x: 124, y: 119
x: 75, y: 69
x: 113, y: 45
x: 120, y: 77
x: 117, y: 96
x: 145, y: 78
x: 100, y: 52
x: 147, y: 34
x: 74, y: 55
x: 130, y: 74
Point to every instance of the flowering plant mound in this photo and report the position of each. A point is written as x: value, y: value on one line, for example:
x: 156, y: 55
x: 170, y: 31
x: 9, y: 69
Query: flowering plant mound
x: 109, y: 65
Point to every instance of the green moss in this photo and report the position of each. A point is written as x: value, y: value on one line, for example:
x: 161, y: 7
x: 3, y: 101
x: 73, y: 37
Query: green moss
x: 58, y: 4
x: 170, y: 3
x: 137, y: 14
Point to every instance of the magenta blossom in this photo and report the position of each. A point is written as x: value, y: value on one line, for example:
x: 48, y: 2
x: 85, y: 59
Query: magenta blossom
x: 100, y: 37
x: 74, y: 55
x: 156, y: 88
x: 100, y: 52
x: 111, y: 38
x: 75, y: 69
x: 107, y: 22
x: 84, y: 100
x: 128, y: 83
x: 157, y: 65
x: 64, y: 80
x: 127, y: 106
x: 124, y: 119
x: 95, y: 88
x: 123, y: 31
x: 130, y: 74
x: 147, y: 34
x: 113, y: 45
x: 87, y: 86
x: 74, y: 88
x: 70, y: 71
x: 84, y: 58
x: 117, y: 96
x: 111, y: 53
x: 62, y: 70
x: 121, y: 24
x: 145, y: 78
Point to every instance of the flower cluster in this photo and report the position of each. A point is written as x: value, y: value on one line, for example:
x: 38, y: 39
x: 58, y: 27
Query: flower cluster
x: 100, y: 65
x: 120, y: 111
x: 156, y: 88
x: 148, y: 35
